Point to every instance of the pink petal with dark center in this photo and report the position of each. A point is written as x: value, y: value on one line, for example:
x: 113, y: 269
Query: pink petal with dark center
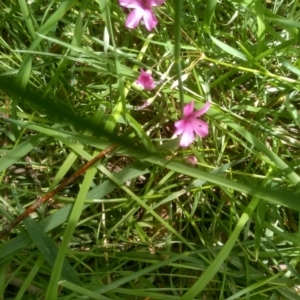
x: 200, y: 127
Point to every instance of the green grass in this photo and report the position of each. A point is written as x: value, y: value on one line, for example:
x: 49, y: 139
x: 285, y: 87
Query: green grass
x: 143, y: 223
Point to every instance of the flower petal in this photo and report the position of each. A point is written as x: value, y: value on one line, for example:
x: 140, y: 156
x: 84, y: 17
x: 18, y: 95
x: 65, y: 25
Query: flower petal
x: 131, y: 3
x: 200, y: 127
x: 201, y: 111
x: 146, y: 81
x: 180, y: 126
x: 134, y: 18
x: 188, y: 109
x: 156, y: 2
x: 149, y: 19
x: 187, y: 137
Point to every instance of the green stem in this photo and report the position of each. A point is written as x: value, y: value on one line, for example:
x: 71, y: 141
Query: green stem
x: 177, y: 33
x: 258, y: 72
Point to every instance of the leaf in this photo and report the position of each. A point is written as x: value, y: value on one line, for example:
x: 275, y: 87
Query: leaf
x: 209, y: 13
x: 20, y: 151
x: 293, y: 112
x: 229, y: 49
x: 49, y: 249
x: 60, y: 268
x: 216, y: 264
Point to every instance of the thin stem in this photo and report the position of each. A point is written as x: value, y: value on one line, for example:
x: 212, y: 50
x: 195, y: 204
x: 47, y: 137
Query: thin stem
x: 177, y: 33
x: 258, y: 72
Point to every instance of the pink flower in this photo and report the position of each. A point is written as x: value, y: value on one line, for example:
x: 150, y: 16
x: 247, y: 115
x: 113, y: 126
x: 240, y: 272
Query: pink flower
x: 141, y: 9
x: 191, y: 160
x: 190, y: 124
x: 146, y: 81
